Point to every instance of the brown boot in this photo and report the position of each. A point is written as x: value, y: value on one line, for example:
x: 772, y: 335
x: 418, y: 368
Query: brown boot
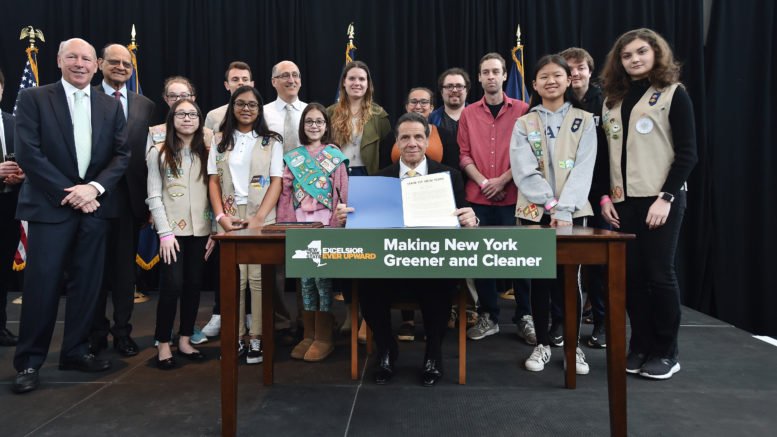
x: 322, y: 345
x: 309, y: 324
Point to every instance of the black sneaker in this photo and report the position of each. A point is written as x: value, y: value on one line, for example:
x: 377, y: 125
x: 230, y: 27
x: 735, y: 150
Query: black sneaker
x: 254, y: 355
x: 557, y: 334
x: 660, y: 368
x: 406, y: 332
x: 634, y: 362
x: 598, y: 339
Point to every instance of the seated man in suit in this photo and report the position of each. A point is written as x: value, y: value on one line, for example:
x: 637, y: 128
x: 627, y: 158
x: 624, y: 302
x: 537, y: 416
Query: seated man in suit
x: 433, y: 295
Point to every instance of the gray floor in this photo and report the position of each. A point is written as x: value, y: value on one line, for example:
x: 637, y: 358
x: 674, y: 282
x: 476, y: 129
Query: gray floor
x: 727, y: 387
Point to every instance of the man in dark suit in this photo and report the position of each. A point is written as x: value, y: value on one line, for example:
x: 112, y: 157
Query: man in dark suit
x: 130, y: 196
x: 433, y: 295
x: 11, y: 175
x: 71, y: 142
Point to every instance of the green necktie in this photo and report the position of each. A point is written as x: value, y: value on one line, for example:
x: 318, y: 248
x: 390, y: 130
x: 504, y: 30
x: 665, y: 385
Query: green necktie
x: 82, y: 132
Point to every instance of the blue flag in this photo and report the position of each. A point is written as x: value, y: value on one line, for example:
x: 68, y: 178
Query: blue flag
x: 148, y: 240
x: 133, y: 84
x: 515, y: 86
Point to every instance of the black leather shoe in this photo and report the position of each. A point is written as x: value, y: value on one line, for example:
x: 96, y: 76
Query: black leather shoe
x: 25, y: 381
x: 97, y: 344
x: 384, y: 370
x: 432, y: 373
x: 125, y: 346
x: 85, y: 363
x: 194, y: 356
x: 166, y: 364
x: 7, y: 338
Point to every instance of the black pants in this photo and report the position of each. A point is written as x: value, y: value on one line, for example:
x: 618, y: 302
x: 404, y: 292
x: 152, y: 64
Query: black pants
x: 653, y: 294
x: 543, y: 291
x: 9, y: 240
x: 119, y: 278
x: 75, y: 246
x: 181, y: 279
x: 434, y: 297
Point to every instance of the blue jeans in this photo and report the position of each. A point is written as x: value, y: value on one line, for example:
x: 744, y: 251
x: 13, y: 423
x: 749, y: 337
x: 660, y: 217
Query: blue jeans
x: 488, y: 295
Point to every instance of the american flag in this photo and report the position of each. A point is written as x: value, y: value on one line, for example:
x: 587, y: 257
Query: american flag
x: 29, y: 76
x: 29, y: 79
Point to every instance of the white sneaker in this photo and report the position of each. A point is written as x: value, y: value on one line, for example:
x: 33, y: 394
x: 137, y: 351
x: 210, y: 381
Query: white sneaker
x: 213, y: 327
x: 581, y: 367
x: 526, y: 330
x: 537, y: 360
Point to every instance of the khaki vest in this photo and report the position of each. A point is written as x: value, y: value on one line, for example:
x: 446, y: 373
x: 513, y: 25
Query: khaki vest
x: 650, y: 149
x: 261, y: 156
x: 159, y: 132
x: 185, y: 197
x: 569, y: 135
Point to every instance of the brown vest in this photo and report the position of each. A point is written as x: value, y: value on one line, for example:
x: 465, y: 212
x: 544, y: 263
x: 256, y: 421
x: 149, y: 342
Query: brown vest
x: 650, y: 152
x: 261, y: 156
x: 185, y: 197
x: 569, y: 135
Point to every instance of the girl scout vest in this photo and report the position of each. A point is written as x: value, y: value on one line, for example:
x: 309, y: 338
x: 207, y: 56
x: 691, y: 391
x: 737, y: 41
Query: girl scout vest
x: 261, y: 156
x: 185, y: 197
x: 311, y: 174
x: 650, y: 150
x: 569, y: 135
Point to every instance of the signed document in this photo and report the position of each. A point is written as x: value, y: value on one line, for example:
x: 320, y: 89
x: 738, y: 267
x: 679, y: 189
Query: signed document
x: 428, y: 201
x: 382, y: 202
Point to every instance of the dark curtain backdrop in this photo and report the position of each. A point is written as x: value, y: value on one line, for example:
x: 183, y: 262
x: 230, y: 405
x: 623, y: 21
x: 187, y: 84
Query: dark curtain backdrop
x: 407, y: 43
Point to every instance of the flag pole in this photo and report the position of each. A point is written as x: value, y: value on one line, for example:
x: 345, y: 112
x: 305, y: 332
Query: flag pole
x: 351, y: 35
x: 31, y: 33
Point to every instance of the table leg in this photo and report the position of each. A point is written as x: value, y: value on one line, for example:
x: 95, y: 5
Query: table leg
x: 354, y: 309
x: 616, y: 336
x: 463, y: 334
x: 228, y: 292
x: 268, y: 322
x: 570, y: 323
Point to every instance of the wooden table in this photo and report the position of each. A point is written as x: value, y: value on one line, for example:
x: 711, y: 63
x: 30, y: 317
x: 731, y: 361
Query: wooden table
x: 575, y: 245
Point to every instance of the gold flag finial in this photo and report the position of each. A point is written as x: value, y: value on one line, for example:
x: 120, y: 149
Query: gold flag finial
x: 351, y: 33
x: 518, y: 35
x: 32, y: 34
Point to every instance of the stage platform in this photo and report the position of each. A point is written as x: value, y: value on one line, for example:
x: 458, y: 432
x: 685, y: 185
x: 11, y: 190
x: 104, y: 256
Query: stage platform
x: 727, y: 387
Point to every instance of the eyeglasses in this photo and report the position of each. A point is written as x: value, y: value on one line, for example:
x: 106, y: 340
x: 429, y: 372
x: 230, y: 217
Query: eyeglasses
x: 422, y: 102
x: 116, y: 62
x: 174, y: 97
x: 287, y: 75
x: 319, y: 122
x: 181, y: 115
x: 454, y: 87
x: 252, y: 106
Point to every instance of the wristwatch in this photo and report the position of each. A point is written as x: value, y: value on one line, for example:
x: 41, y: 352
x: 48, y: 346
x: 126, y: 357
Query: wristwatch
x: 669, y: 197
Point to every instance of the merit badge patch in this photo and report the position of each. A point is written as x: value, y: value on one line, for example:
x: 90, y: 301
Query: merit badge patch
x: 531, y: 211
x: 654, y: 98
x: 576, y: 124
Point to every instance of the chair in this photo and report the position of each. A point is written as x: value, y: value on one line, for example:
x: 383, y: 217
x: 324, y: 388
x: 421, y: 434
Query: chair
x: 461, y: 300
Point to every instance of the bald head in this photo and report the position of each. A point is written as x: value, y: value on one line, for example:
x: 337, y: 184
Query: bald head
x: 116, y: 65
x: 77, y: 59
x: 286, y: 80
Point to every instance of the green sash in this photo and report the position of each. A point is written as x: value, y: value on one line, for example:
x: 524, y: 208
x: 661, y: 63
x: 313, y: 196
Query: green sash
x: 311, y: 174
